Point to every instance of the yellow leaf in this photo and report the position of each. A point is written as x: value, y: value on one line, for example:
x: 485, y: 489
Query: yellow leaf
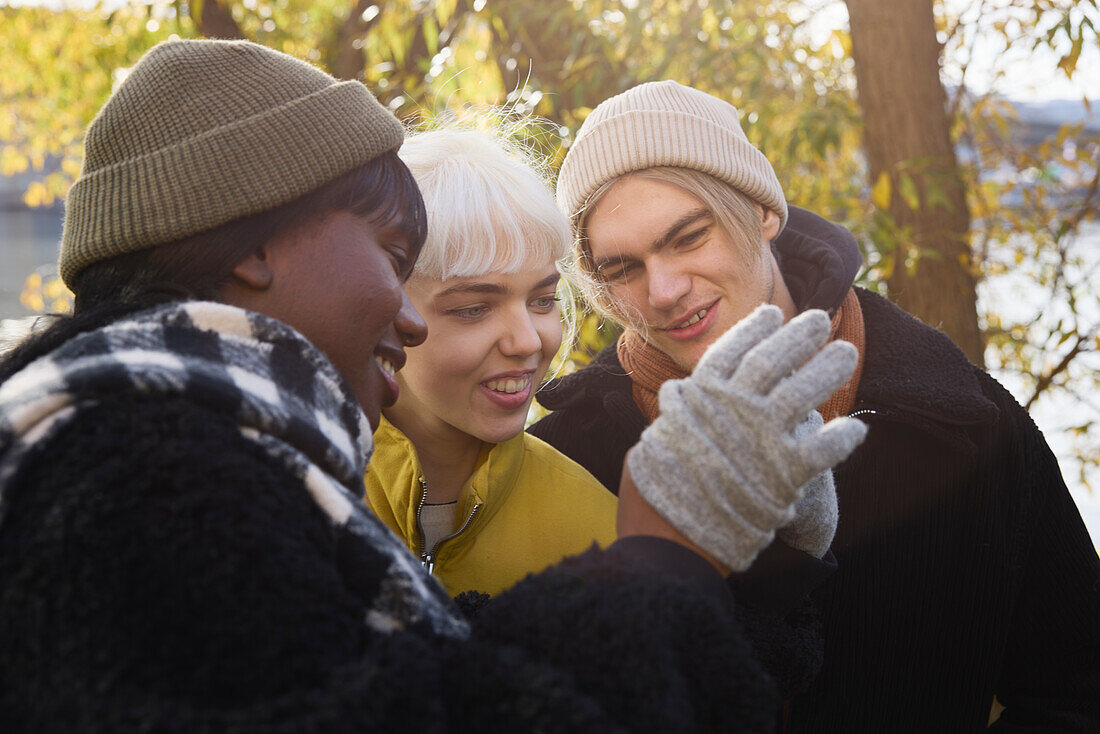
x: 55, y: 289
x: 12, y: 161
x: 880, y: 192
x: 33, y: 301
x: 36, y: 195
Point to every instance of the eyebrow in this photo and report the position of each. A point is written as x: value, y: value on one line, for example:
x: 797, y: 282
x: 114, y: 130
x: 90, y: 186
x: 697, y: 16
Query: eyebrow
x: 494, y: 288
x: 685, y: 221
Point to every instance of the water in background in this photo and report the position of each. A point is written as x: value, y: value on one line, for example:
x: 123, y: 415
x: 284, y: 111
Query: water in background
x: 28, y: 241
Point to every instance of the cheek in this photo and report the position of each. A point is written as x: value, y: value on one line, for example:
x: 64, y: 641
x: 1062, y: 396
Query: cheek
x: 378, y: 297
x: 738, y: 271
x: 629, y: 305
x: 448, y: 356
x: 550, y: 333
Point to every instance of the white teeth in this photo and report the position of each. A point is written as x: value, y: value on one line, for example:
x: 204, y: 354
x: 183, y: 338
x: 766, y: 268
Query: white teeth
x: 508, y: 386
x: 694, y: 319
x: 385, y: 364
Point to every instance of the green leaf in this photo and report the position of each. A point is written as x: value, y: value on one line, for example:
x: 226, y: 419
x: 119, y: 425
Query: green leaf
x: 908, y: 190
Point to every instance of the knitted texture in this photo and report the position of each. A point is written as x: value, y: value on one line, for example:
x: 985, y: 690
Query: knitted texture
x: 204, y: 132
x: 723, y: 462
x: 815, y: 515
x: 665, y: 124
x: 813, y: 526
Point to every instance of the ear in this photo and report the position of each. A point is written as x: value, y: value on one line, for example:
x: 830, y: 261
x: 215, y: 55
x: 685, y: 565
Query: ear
x: 255, y: 271
x: 770, y: 225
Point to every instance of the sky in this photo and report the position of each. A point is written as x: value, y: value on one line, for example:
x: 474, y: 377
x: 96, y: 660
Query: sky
x: 1019, y: 73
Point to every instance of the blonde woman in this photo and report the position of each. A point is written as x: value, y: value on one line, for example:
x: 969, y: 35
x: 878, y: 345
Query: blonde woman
x: 480, y: 502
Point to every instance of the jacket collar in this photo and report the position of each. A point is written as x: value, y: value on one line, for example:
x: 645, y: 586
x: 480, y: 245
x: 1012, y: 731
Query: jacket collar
x: 912, y: 367
x: 395, y: 458
x: 818, y: 258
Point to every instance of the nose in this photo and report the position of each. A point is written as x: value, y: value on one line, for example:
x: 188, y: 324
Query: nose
x: 520, y: 337
x: 667, y: 285
x: 410, y: 325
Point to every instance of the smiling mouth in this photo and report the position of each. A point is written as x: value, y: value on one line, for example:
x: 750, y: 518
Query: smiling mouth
x: 695, y: 318
x: 385, y: 364
x: 508, y: 386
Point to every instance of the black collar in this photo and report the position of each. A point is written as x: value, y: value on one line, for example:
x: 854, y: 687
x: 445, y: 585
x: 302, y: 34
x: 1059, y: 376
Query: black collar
x: 588, y: 385
x: 819, y: 260
x: 911, y: 366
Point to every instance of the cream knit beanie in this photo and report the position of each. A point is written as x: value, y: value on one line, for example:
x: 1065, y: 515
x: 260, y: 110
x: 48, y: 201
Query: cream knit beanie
x: 204, y: 132
x: 665, y: 124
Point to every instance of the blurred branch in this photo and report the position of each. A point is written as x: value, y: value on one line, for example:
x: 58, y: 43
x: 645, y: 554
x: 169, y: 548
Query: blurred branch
x: 1089, y: 203
x: 1047, y: 379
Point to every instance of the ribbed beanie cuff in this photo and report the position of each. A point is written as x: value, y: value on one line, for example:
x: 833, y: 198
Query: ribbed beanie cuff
x: 204, y: 132
x: 665, y: 124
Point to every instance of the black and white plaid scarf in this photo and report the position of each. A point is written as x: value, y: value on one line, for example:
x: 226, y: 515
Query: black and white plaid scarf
x: 283, y: 393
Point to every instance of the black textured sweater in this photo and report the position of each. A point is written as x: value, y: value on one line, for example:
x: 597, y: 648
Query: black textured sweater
x: 964, y: 569
x: 161, y: 572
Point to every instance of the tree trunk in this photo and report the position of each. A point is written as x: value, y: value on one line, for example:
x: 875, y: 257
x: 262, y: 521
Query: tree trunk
x: 349, y: 62
x: 214, y: 20
x: 907, y: 136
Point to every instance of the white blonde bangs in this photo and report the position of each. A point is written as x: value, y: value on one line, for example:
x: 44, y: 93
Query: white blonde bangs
x: 489, y: 205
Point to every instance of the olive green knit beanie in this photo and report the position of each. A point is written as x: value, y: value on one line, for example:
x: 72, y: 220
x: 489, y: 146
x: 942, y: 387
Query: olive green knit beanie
x: 665, y: 124
x: 204, y: 132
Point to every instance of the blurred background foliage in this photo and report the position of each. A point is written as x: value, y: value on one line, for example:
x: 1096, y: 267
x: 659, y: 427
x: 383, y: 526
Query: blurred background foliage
x: 794, y: 82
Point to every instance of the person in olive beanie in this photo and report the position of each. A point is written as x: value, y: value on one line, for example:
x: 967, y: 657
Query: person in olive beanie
x: 964, y: 572
x: 182, y: 543
x: 202, y: 133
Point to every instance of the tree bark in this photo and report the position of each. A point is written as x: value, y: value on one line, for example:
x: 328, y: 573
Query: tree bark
x: 349, y: 61
x: 214, y: 20
x: 907, y: 135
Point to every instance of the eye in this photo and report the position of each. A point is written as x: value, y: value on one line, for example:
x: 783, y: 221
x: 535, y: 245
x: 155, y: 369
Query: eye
x: 692, y: 239
x: 618, y: 273
x: 402, y: 265
x: 469, y: 313
x: 544, y: 304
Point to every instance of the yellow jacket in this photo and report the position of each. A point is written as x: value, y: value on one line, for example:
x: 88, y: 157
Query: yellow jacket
x: 525, y: 507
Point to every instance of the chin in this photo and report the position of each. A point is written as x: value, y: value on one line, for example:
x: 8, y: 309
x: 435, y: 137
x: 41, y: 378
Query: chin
x: 499, y: 432
x: 686, y: 360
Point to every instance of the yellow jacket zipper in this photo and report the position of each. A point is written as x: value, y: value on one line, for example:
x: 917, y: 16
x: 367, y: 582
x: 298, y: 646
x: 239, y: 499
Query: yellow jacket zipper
x: 428, y: 558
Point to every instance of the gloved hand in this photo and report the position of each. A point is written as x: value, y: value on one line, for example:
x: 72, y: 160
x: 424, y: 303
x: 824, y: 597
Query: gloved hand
x: 815, y: 514
x: 722, y: 462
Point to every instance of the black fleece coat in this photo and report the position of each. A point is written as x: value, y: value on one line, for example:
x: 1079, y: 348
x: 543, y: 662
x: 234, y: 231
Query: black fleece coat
x: 964, y: 569
x: 159, y: 572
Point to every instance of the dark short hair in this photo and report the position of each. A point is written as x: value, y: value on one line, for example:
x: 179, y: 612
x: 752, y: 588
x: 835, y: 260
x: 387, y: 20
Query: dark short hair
x: 196, y: 267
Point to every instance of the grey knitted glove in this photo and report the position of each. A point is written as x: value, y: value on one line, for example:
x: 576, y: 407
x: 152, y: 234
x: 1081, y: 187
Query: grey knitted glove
x: 815, y: 515
x: 722, y: 462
